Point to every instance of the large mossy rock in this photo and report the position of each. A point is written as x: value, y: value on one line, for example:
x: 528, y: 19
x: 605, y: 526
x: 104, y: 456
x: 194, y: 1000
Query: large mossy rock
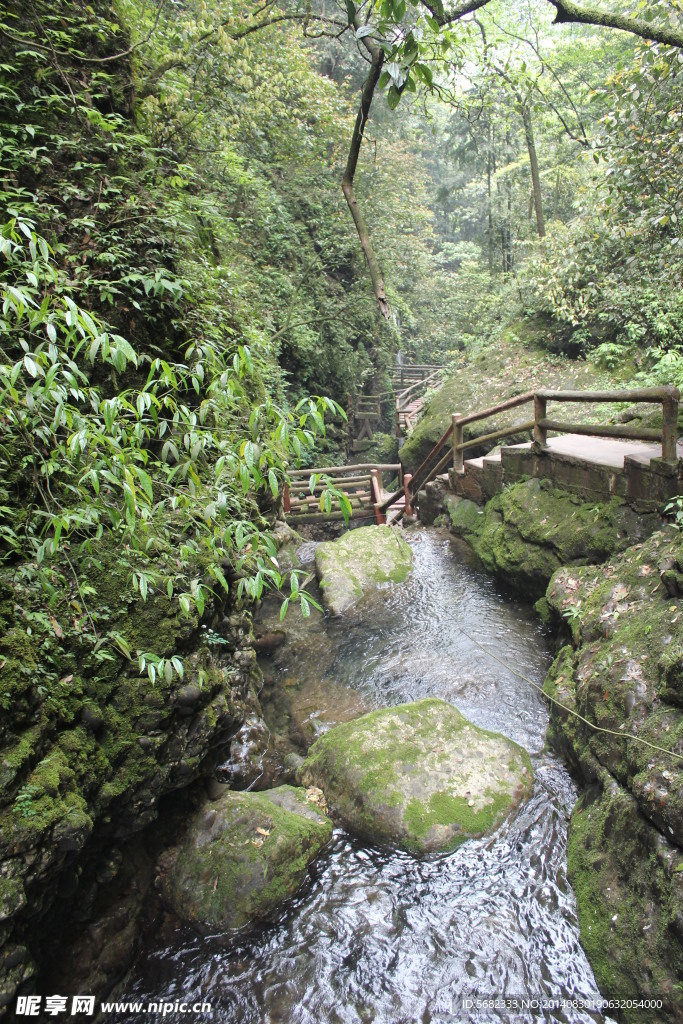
x: 244, y: 855
x: 419, y: 776
x: 623, y: 671
x: 531, y: 529
x: 357, y: 562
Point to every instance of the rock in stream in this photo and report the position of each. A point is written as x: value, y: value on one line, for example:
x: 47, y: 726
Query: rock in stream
x: 358, y: 561
x: 419, y: 776
x: 244, y: 854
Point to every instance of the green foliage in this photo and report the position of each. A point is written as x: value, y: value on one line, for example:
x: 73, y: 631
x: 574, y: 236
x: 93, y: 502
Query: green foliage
x: 615, y: 274
x: 170, y: 467
x: 674, y: 510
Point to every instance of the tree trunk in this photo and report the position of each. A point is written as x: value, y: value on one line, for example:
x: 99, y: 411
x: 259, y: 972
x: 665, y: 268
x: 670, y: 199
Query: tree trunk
x: 506, y: 226
x: 533, y: 164
x: 349, y: 173
x: 490, y: 169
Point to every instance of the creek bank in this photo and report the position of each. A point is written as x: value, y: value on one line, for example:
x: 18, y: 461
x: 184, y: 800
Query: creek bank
x: 614, y: 581
x: 623, y: 671
x: 531, y: 529
x: 358, y: 562
x: 88, y: 748
x: 244, y: 854
x: 419, y: 776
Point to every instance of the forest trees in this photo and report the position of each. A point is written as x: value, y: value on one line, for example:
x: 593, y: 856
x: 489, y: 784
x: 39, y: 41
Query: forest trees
x: 399, y: 38
x: 396, y: 40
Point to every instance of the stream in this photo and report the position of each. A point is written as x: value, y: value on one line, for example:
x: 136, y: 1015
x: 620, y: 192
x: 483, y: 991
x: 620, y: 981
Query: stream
x: 377, y: 935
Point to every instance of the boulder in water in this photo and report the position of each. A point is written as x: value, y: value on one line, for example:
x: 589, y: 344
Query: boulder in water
x: 244, y: 854
x: 419, y: 776
x: 358, y: 561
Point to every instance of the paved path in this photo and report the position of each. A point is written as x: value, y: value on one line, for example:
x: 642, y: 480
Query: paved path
x: 604, y: 451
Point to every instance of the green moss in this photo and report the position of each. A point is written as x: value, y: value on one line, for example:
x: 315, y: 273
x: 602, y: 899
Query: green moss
x: 12, y: 897
x: 627, y: 896
x: 532, y: 529
x: 544, y: 611
x: 443, y: 809
x: 621, y: 672
x: 415, y: 774
x: 250, y: 862
x: 465, y: 518
x: 359, y: 560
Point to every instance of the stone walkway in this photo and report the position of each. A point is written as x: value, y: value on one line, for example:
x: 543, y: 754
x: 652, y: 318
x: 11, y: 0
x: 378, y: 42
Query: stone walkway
x: 604, y: 451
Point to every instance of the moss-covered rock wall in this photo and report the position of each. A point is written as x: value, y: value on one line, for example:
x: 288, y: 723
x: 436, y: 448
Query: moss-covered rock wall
x: 623, y: 674
x: 89, y: 745
x: 531, y: 529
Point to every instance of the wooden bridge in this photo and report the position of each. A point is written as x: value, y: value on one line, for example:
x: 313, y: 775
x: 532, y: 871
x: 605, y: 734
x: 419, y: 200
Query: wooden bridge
x: 309, y: 491
x: 644, y: 465
x: 641, y: 464
x: 411, y: 382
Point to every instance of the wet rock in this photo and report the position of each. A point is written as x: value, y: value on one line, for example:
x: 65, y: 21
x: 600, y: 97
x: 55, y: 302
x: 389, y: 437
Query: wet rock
x: 240, y: 862
x: 266, y: 643
x: 253, y: 762
x: 627, y: 831
x: 215, y: 789
x: 188, y: 696
x: 294, y: 762
x: 531, y: 529
x: 419, y: 776
x: 359, y: 561
x: 318, y: 705
x: 92, y: 718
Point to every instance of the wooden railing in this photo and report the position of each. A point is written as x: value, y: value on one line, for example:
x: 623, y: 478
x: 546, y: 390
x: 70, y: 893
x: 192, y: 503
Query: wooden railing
x: 414, y: 391
x: 404, y: 374
x: 451, y: 446
x: 362, y: 484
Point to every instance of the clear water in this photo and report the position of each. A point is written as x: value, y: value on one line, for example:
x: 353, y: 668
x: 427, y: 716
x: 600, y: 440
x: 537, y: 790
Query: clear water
x: 376, y: 935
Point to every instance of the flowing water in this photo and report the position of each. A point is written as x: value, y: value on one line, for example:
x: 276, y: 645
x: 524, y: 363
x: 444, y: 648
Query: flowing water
x: 376, y: 935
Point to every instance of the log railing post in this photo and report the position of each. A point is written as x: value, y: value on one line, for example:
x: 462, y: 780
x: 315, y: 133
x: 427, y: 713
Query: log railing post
x: 377, y: 492
x: 669, y: 430
x: 398, y: 417
x: 540, y: 409
x: 458, y: 461
x: 287, y: 500
x: 406, y: 490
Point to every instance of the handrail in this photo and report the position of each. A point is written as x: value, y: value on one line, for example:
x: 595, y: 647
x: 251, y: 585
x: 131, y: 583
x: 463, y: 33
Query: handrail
x: 401, y: 396
x: 666, y: 393
x: 352, y: 467
x: 493, y: 410
x: 668, y: 396
x: 403, y: 367
x: 435, y: 450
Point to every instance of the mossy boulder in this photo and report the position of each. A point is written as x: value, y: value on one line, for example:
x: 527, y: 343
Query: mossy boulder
x: 419, y: 776
x: 623, y: 672
x: 531, y: 529
x: 465, y: 518
x: 244, y: 854
x: 359, y: 561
